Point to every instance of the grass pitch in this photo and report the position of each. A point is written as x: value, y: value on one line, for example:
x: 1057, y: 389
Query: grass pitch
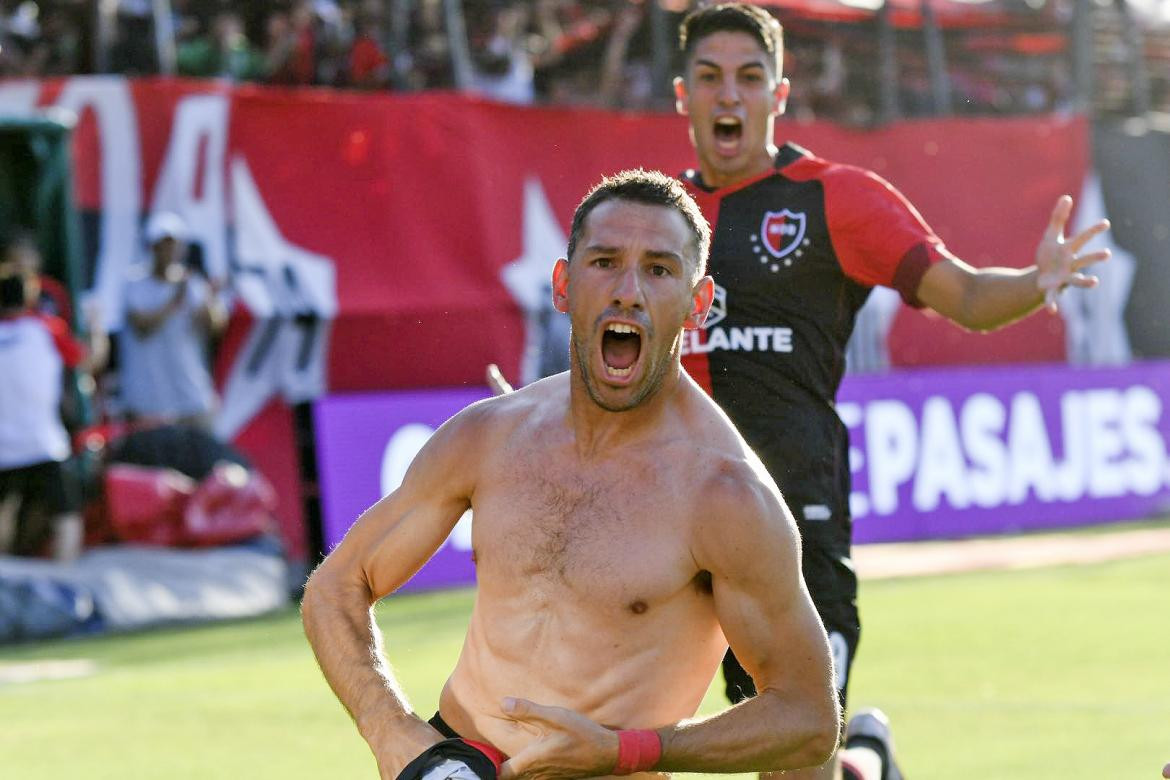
x: 1055, y: 673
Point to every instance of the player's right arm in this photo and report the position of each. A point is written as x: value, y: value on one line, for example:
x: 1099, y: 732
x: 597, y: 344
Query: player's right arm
x: 384, y: 548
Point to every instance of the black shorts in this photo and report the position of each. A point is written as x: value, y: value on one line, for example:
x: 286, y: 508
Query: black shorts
x: 484, y: 761
x: 49, y: 485
x: 46, y: 490
x: 438, y: 724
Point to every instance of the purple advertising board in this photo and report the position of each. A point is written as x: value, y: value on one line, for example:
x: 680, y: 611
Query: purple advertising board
x: 1000, y: 449
x: 364, y: 444
x: 935, y: 453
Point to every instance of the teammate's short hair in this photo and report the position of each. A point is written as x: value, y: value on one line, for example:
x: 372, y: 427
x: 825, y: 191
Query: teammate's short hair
x: 733, y: 17
x: 653, y: 189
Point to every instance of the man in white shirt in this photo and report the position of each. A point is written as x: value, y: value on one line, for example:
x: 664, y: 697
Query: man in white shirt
x: 171, y: 314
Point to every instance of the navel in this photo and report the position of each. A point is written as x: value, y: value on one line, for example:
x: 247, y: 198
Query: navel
x: 637, y: 606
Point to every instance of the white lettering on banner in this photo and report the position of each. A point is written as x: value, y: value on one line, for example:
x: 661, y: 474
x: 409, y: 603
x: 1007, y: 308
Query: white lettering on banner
x: 290, y: 291
x: 981, y: 426
x: 121, y: 182
x: 993, y: 453
x: 1029, y: 451
x: 1147, y: 467
x: 891, y: 446
x: 293, y: 294
x: 1107, y: 476
x: 19, y: 97
x: 747, y: 339
x: 196, y: 154
x: 403, y: 446
x: 1069, y: 485
x: 942, y: 469
x: 851, y: 415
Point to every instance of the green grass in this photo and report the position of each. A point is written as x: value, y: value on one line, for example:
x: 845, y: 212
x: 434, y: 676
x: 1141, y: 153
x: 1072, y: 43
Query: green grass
x: 1056, y: 673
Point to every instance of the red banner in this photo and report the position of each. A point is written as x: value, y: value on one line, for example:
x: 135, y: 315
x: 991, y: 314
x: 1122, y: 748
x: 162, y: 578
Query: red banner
x: 405, y: 241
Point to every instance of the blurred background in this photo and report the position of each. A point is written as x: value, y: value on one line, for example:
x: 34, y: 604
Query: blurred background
x: 338, y: 213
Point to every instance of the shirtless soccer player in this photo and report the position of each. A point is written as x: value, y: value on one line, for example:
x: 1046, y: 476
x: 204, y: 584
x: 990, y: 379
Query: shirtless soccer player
x: 624, y: 534
x: 798, y: 244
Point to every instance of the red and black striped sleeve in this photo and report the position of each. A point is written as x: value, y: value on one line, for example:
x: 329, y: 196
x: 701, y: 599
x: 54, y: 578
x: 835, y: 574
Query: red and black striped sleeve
x: 878, y: 236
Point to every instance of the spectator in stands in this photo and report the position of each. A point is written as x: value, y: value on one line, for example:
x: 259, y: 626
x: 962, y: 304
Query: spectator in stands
x: 19, y: 33
x: 171, y: 315
x: 134, y: 52
x: 61, y: 47
x: 624, y: 84
x: 224, y: 51
x: 430, y: 49
x: 502, y: 62
x: 292, y: 45
x: 52, y: 297
x: 367, y: 66
x: 39, y: 500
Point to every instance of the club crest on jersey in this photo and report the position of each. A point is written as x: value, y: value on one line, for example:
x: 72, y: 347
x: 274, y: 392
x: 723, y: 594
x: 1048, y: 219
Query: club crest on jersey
x: 782, y: 232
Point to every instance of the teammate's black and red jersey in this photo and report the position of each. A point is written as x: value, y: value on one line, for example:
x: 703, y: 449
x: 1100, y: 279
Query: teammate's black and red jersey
x: 794, y: 254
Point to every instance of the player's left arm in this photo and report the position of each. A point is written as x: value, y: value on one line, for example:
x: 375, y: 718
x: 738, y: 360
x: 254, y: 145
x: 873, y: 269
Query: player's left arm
x: 988, y: 298
x: 751, y: 547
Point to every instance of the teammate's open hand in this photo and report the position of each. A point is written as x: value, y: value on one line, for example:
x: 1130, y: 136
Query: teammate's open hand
x: 1059, y: 260
x: 568, y: 745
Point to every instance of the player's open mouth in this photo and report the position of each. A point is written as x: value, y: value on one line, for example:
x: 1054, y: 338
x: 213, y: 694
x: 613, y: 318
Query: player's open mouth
x: 728, y: 132
x: 621, y: 345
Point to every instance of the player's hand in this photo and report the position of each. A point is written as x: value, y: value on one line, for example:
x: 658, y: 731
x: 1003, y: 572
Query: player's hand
x: 1060, y: 260
x: 568, y: 745
x: 496, y: 381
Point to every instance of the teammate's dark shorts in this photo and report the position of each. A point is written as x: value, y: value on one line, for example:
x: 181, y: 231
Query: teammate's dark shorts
x: 832, y: 583
x: 46, y: 490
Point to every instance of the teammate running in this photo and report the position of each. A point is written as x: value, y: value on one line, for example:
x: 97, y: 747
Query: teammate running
x: 797, y: 245
x: 623, y: 535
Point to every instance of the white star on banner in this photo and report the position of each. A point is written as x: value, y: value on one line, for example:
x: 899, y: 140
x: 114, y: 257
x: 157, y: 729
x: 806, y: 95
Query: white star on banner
x: 529, y: 277
x: 1095, y: 330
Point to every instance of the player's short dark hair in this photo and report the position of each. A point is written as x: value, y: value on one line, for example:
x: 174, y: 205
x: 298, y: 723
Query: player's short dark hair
x: 733, y: 17
x: 653, y: 189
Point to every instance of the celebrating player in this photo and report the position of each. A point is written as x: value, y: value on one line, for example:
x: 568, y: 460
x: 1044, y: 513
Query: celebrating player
x: 623, y: 535
x: 798, y: 243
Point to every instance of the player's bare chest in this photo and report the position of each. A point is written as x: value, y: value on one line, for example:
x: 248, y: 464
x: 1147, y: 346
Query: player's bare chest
x: 609, y: 525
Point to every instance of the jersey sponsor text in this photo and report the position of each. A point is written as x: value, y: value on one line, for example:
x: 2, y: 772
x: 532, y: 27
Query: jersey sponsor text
x: 746, y: 339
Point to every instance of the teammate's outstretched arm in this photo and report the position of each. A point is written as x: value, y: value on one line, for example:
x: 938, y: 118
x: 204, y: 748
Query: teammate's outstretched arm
x: 988, y: 298
x: 751, y: 547
x: 387, y: 545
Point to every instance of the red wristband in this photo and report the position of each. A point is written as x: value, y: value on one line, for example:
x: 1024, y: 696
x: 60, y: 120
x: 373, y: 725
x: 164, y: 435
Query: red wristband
x: 638, y: 750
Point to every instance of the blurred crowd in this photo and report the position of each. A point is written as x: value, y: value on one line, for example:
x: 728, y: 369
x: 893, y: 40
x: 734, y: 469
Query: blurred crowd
x: 574, y: 51
x: 564, y: 52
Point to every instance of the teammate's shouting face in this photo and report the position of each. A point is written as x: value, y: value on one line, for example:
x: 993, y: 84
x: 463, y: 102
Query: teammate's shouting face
x: 732, y: 93
x: 630, y: 287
